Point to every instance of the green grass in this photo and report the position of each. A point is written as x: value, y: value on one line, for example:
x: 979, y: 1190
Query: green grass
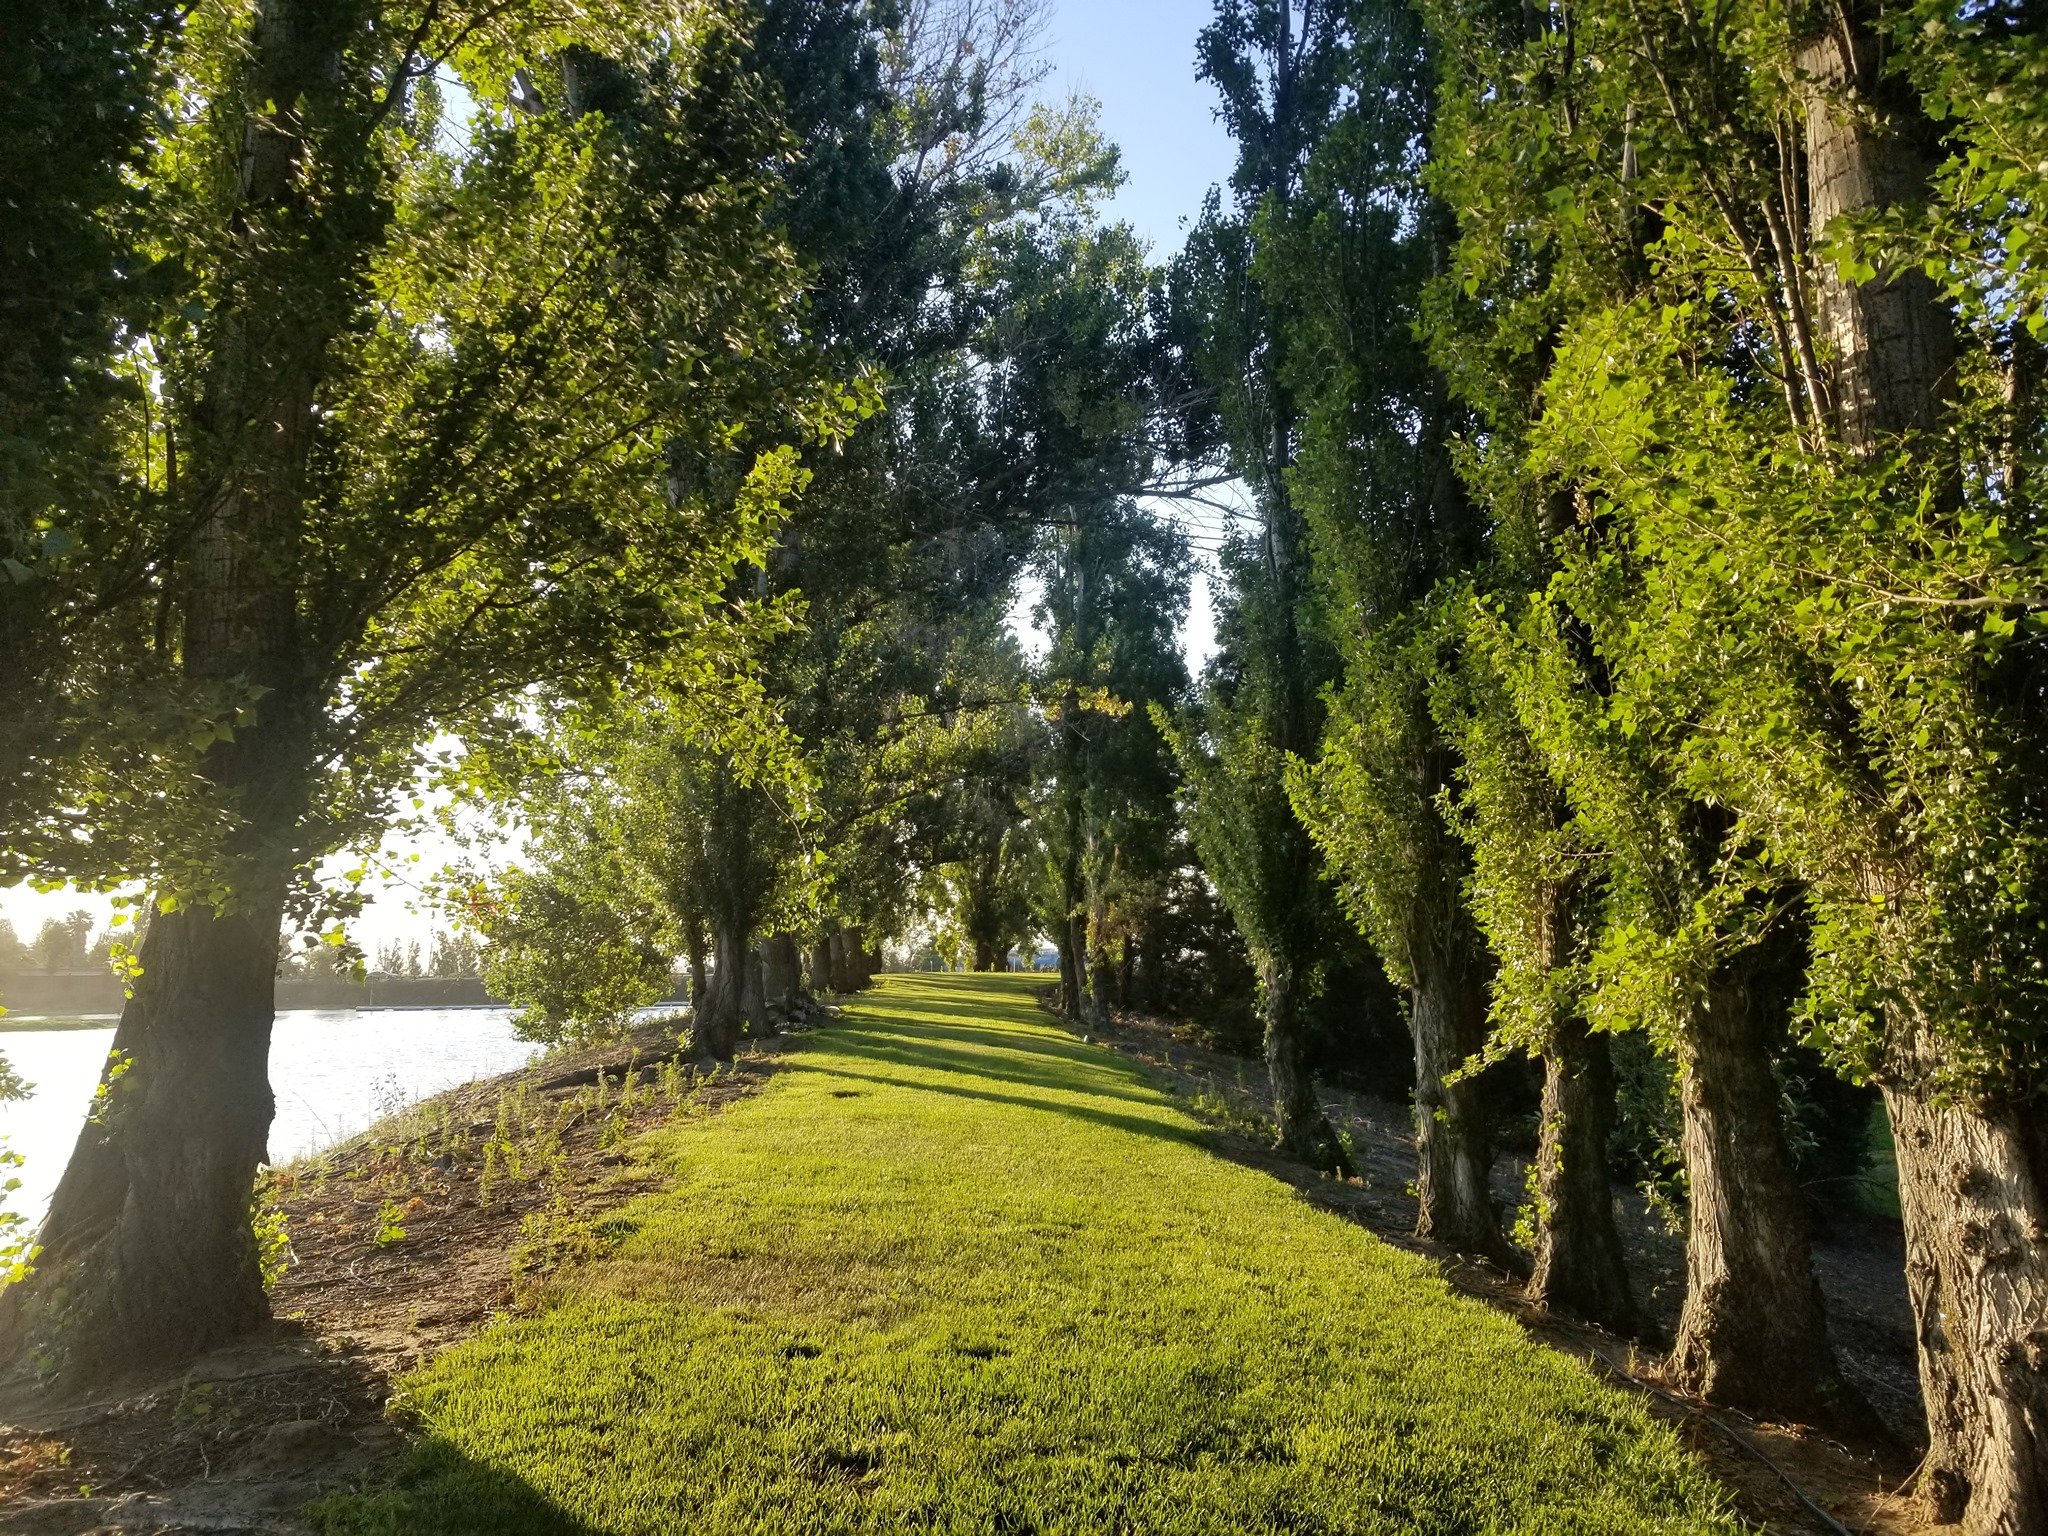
x: 955, y: 1272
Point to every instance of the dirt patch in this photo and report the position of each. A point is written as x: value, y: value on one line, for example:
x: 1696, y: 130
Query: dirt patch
x: 408, y: 1239
x: 1860, y: 1263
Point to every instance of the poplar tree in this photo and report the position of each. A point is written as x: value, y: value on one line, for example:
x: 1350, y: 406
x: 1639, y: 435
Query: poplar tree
x: 422, y: 451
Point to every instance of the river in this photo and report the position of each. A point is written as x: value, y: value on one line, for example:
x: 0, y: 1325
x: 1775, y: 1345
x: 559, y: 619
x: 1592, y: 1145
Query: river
x: 334, y: 1072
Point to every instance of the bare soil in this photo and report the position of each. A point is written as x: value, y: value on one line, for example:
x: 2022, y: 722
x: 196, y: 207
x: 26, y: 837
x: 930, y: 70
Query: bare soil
x: 406, y: 1240
x: 1768, y: 1466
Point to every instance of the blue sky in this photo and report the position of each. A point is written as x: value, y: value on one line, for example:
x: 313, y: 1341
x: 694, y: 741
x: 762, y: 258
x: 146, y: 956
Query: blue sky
x: 1137, y: 57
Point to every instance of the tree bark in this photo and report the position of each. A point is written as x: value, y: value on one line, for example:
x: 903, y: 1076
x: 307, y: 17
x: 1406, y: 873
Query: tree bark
x: 1580, y: 1268
x: 822, y: 980
x: 1892, y: 340
x: 782, y: 976
x: 715, y: 1023
x: 1973, y: 1187
x: 1304, y: 1130
x: 1754, y: 1332
x: 1452, y: 1139
x: 148, y: 1257
x: 696, y: 969
x: 754, y: 994
x: 1074, y: 968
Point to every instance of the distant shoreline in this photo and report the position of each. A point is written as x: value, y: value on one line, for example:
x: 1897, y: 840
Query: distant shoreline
x: 30, y: 1023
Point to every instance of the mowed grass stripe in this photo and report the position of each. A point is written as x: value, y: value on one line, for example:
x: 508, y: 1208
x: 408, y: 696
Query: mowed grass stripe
x: 954, y: 1271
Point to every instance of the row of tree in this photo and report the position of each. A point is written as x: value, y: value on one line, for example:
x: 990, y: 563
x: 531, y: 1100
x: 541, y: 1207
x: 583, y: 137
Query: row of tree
x: 1647, y: 631
x: 1632, y: 648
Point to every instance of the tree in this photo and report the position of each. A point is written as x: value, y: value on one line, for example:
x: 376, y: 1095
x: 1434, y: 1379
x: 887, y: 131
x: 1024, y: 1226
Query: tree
x: 1807, y: 442
x: 1281, y: 75
x: 430, y: 413
x: 1114, y: 588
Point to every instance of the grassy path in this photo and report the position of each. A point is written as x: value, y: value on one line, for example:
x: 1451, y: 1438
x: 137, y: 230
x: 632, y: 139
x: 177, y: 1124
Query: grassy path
x: 955, y: 1272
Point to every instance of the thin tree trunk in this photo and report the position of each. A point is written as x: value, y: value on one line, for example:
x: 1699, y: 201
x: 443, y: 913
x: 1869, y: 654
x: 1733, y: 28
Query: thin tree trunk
x: 1452, y: 1138
x: 1973, y: 1186
x: 1074, y: 969
x: 148, y: 1257
x: 1754, y: 1331
x: 1580, y: 1267
x: 696, y: 942
x: 1304, y: 1131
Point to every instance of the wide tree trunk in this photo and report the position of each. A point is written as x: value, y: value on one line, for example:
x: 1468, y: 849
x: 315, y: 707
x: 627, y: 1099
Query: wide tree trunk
x: 821, y: 966
x: 1973, y: 1187
x: 1892, y: 341
x: 849, y: 961
x: 985, y: 956
x: 1454, y: 1146
x: 715, y: 1023
x: 1304, y: 1131
x: 148, y: 1257
x: 1580, y: 1267
x: 1101, y: 973
x: 782, y: 975
x: 754, y: 994
x: 1754, y: 1331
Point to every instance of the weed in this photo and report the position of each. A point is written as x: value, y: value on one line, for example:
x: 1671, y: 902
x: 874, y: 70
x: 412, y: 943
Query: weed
x: 273, y: 1233
x: 391, y: 1224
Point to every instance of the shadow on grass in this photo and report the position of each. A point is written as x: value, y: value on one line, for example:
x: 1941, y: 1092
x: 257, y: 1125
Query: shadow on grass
x: 1189, y: 1135
x: 440, y: 1491
x: 932, y: 1049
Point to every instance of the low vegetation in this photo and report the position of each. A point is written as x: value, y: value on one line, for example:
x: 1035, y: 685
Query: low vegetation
x: 953, y: 1271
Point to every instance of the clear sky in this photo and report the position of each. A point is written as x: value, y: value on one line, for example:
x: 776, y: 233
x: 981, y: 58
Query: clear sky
x: 1137, y: 57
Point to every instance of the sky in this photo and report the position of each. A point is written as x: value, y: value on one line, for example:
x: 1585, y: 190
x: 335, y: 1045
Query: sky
x: 1137, y: 58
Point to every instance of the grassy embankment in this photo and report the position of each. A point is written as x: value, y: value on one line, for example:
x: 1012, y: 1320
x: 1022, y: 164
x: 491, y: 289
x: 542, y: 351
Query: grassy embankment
x: 955, y: 1271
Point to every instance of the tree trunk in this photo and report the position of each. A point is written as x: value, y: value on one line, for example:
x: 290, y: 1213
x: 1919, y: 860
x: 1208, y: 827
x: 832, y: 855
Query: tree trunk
x: 754, y: 994
x: 1452, y: 1139
x: 984, y: 955
x: 1304, y: 1131
x: 1101, y: 971
x: 148, y: 1257
x: 821, y: 966
x: 696, y: 970
x: 1892, y: 340
x: 1580, y: 1268
x: 782, y: 977
x: 1754, y: 1331
x: 715, y: 1023
x: 1074, y: 969
x: 849, y: 963
x: 1973, y: 1187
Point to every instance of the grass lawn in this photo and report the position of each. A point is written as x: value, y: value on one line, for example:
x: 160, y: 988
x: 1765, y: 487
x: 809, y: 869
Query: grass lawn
x: 954, y: 1271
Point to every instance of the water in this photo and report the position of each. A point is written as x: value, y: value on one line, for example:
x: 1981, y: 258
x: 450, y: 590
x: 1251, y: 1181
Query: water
x: 334, y: 1072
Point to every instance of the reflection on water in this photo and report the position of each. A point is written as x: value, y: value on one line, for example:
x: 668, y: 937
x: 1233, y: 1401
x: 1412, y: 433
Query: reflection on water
x: 334, y: 1072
